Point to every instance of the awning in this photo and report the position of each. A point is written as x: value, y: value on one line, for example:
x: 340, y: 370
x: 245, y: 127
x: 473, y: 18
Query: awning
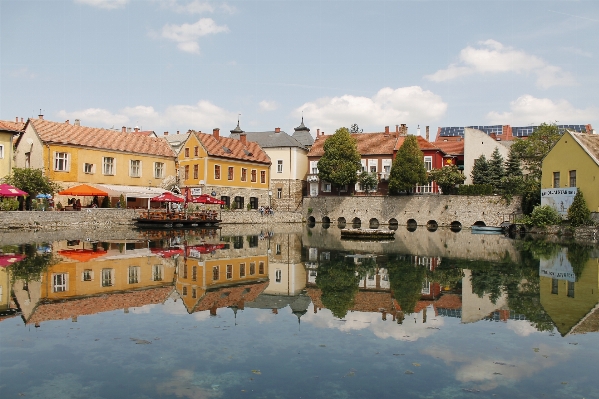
x: 114, y: 190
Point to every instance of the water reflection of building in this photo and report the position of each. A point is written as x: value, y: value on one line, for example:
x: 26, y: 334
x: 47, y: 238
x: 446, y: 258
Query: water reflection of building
x: 7, y: 306
x: 570, y: 299
x: 84, y: 281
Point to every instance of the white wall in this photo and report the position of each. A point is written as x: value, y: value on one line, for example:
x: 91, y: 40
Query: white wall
x: 477, y: 143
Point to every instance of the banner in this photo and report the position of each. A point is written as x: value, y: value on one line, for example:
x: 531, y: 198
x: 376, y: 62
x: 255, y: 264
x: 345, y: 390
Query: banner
x: 559, y: 199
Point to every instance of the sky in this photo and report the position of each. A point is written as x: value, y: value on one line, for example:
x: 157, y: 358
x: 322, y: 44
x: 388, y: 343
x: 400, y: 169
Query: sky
x: 175, y: 65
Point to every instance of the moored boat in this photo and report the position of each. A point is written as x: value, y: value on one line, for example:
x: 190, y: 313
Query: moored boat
x: 367, y: 234
x: 487, y: 229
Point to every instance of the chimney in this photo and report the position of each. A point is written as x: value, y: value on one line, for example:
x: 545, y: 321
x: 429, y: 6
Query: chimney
x: 17, y: 119
x: 77, y: 122
x: 136, y: 129
x: 41, y: 116
x: 387, y: 129
x: 396, y: 128
x: 67, y: 121
x: 317, y: 132
x: 243, y: 138
x: 427, y: 133
x: 277, y: 130
x: 216, y: 133
x: 22, y: 120
x: 128, y: 130
x: 177, y: 132
x: 404, y: 129
x: 166, y: 133
x: 123, y: 129
x: 418, y: 131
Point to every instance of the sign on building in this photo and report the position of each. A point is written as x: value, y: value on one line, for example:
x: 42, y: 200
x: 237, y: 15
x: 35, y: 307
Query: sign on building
x: 196, y: 191
x: 558, y: 267
x: 559, y: 199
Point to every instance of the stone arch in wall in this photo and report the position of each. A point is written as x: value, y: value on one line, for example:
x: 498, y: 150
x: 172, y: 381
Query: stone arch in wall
x: 411, y: 225
x: 455, y: 226
x: 326, y: 222
x: 479, y: 223
x: 341, y: 222
x: 356, y: 223
x: 373, y: 223
x: 311, y: 221
x: 432, y: 225
x: 393, y: 224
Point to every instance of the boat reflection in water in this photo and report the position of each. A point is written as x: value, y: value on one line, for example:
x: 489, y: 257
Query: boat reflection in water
x: 219, y: 311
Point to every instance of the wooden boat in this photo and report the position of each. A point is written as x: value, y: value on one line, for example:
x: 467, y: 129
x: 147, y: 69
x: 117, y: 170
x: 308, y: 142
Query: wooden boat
x: 167, y: 220
x: 367, y: 234
x: 487, y: 230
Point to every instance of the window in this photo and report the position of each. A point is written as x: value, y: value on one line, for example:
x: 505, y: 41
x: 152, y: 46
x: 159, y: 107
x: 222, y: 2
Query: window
x: 428, y: 163
x: 238, y: 242
x: 133, y: 274
x: 229, y: 272
x: 555, y: 179
x: 314, y: 167
x: 59, y: 282
x: 253, y: 176
x: 108, y: 166
x: 261, y: 268
x: 107, y: 277
x: 186, y: 172
x: 279, y: 193
x: 241, y: 270
x: 572, y: 178
x: 135, y: 168
x: 184, y: 291
x: 278, y: 275
x: 196, y: 151
x: 244, y: 174
x: 217, y: 172
x: 570, y: 289
x: 194, y: 293
x: 280, y: 166
x: 239, y: 202
x: 61, y: 161
x: 253, y: 202
x: 230, y: 174
x: 186, y: 152
x: 185, y: 271
x: 158, y: 170
x: 87, y: 275
x: 1, y: 151
x: 262, y: 176
x: 372, y: 168
x: 88, y: 168
x: 326, y: 187
x: 27, y: 159
x: 194, y: 273
x: 278, y: 249
x: 226, y: 199
x: 196, y: 171
x: 253, y: 241
x: 252, y: 268
x: 215, y: 273
x: 554, y: 286
x: 157, y: 272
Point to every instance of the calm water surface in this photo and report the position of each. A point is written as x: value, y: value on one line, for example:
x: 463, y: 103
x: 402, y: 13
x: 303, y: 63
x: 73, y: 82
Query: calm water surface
x: 299, y: 314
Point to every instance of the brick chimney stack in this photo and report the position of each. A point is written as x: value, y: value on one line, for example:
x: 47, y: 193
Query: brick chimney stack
x: 404, y: 129
x: 243, y: 138
x: 124, y: 129
x: 277, y: 130
x: 17, y: 119
x: 136, y: 129
x: 40, y: 116
x: 166, y: 133
x: 387, y: 129
x: 77, y: 122
x: 67, y: 121
x: 396, y: 128
x: 427, y: 133
x: 317, y: 132
x: 216, y: 133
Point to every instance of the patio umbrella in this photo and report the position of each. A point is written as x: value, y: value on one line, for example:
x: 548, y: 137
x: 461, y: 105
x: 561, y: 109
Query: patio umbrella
x: 206, y: 199
x: 81, y: 255
x: 46, y: 196
x: 10, y: 259
x: 167, y: 197
x: 6, y: 190
x: 84, y: 190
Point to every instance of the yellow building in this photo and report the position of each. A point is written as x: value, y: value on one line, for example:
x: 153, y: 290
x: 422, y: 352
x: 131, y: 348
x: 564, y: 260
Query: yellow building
x: 7, y: 132
x: 71, y: 154
x: 573, y: 162
x: 236, y: 171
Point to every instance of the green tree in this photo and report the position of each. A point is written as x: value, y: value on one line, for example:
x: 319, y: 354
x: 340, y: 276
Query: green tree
x: 447, y: 178
x: 340, y: 163
x: 32, y: 267
x: 406, y: 281
x: 512, y: 164
x: 542, y: 216
x: 408, y: 167
x: 532, y: 150
x: 338, y: 282
x: 579, y: 213
x: 368, y: 181
x: 480, y: 171
x: 33, y: 182
x: 496, y: 169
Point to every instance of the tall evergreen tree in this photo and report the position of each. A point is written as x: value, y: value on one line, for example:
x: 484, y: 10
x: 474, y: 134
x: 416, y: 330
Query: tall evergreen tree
x: 408, y: 167
x: 496, y: 170
x: 480, y: 171
x: 578, y: 212
x: 340, y: 162
x: 512, y: 164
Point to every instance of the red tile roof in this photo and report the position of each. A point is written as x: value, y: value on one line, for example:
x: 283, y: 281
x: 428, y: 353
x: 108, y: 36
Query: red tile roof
x: 367, y: 143
x: 229, y: 296
x: 451, y: 147
x: 251, y: 152
x: 65, y: 133
x: 16, y: 127
x: 423, y: 143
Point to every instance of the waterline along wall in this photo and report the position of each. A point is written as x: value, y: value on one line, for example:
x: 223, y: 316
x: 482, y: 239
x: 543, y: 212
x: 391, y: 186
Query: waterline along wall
x: 444, y: 210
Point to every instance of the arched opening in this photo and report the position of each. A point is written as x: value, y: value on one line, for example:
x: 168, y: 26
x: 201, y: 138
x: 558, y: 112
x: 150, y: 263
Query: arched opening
x: 341, y: 223
x: 479, y: 223
x: 455, y: 226
x: 374, y: 223
x: 326, y: 222
x: 411, y: 225
x: 356, y: 223
x: 393, y: 224
x: 311, y: 221
x: 432, y: 225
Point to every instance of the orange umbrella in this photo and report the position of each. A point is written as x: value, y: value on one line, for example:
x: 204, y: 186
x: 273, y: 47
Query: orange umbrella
x: 84, y: 190
x: 82, y: 255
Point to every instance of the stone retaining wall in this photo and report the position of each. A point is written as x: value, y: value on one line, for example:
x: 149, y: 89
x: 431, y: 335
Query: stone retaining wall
x: 443, y: 209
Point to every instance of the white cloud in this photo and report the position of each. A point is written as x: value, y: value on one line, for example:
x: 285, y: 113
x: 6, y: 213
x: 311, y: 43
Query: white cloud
x: 105, y: 4
x: 268, y: 105
x: 197, y: 7
x: 203, y: 115
x: 493, y: 57
x: 187, y: 35
x: 23, y: 73
x: 527, y: 110
x: 577, y: 51
x: 390, y: 106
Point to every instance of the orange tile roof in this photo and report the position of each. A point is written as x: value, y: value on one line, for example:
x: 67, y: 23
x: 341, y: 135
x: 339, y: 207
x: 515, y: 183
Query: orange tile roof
x: 229, y: 296
x: 589, y: 142
x: 449, y: 301
x: 451, y: 147
x: 66, y: 309
x: 16, y: 127
x: 250, y: 152
x: 65, y: 133
x: 367, y: 143
x: 423, y: 143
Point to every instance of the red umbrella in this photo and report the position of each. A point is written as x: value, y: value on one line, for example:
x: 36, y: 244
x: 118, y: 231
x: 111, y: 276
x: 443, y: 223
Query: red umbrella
x: 206, y: 199
x: 10, y: 259
x: 167, y: 197
x: 6, y: 190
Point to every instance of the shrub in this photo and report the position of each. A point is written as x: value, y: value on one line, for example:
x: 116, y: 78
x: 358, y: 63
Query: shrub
x: 578, y: 213
x: 476, y: 189
x: 9, y: 204
x: 542, y: 216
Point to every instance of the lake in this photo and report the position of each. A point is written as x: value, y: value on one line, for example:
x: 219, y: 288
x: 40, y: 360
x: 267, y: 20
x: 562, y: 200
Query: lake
x: 296, y: 312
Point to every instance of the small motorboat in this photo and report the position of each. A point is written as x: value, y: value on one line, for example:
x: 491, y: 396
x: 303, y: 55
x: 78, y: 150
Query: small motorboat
x: 487, y: 229
x: 367, y: 234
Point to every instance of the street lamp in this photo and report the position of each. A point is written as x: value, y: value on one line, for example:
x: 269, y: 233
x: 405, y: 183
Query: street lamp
x: 269, y: 198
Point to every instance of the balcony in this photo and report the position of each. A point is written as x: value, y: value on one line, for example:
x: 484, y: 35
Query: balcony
x: 312, y: 179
